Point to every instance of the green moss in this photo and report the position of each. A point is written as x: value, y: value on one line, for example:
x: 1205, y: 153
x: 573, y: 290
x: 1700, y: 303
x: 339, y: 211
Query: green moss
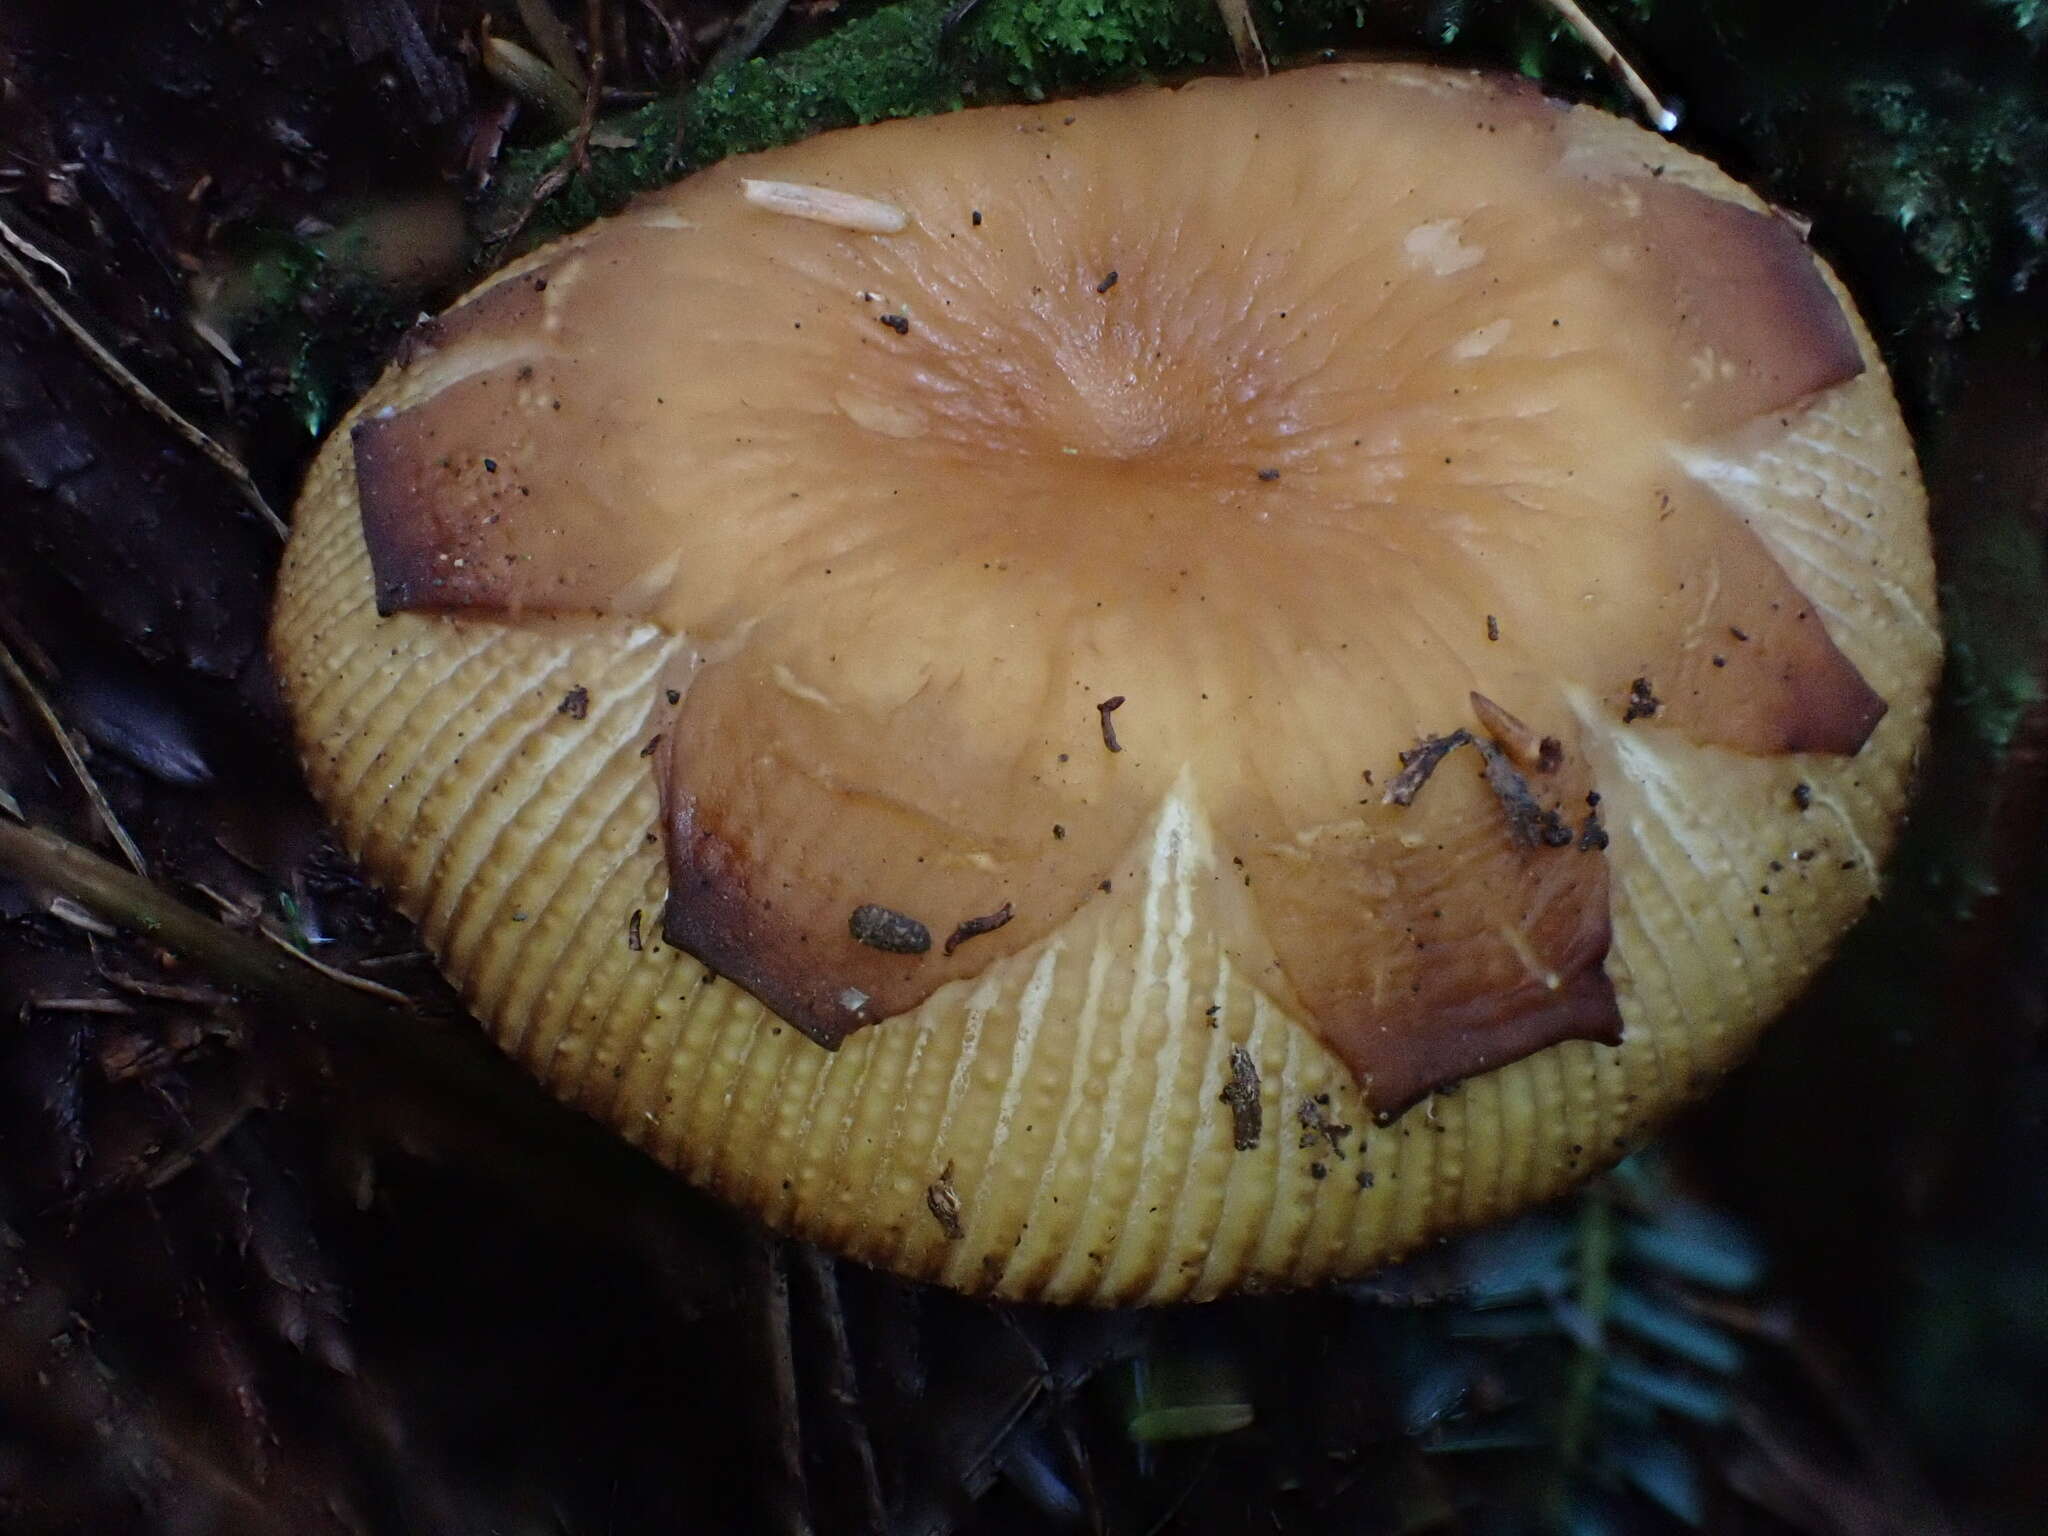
x: 895, y: 62
x: 1039, y: 46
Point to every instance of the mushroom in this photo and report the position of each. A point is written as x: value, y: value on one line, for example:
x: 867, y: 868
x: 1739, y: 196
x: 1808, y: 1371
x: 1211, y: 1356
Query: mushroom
x: 1222, y: 773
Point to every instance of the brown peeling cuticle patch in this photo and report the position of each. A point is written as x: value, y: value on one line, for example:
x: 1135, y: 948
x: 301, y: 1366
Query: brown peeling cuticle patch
x: 1755, y: 315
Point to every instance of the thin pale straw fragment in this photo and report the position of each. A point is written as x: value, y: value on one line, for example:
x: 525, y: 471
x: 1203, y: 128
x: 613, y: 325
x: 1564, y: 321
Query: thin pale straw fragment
x: 823, y: 205
x: 1660, y: 117
x: 1244, y: 38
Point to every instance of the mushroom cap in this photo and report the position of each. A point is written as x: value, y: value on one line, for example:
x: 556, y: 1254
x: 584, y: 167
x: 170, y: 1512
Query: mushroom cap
x: 1192, y: 689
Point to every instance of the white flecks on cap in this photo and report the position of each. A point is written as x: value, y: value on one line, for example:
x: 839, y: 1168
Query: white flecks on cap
x: 824, y: 205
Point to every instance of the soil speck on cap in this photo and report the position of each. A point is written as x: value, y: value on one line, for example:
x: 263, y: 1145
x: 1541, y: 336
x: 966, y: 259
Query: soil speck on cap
x: 1592, y: 836
x: 1317, y: 1128
x: 943, y: 1201
x: 575, y: 703
x: 1642, y: 702
x: 879, y: 927
x: 1241, y: 1093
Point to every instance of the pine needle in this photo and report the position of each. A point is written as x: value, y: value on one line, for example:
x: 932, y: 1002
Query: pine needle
x: 1661, y: 117
x: 1244, y: 37
x: 75, y: 758
x: 133, y: 387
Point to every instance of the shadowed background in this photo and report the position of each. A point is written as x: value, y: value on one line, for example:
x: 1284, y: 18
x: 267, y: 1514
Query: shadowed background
x: 302, y: 1257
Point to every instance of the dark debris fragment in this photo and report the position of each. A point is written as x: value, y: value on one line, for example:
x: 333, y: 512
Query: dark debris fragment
x: 1531, y: 823
x: 1419, y: 762
x: 1642, y: 702
x: 974, y: 927
x: 943, y: 1201
x: 1318, y: 1129
x: 1105, y: 709
x: 894, y: 932
x: 1593, y: 836
x: 1241, y: 1093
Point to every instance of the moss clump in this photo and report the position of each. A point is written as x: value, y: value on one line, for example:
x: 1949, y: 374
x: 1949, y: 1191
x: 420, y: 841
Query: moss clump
x: 897, y: 61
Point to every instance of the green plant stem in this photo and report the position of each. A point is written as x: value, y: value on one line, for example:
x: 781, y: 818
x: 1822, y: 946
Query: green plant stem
x: 129, y: 901
x: 1595, y: 1291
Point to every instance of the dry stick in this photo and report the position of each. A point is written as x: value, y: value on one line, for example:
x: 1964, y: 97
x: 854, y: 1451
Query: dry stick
x: 593, y: 87
x: 83, y: 774
x: 35, y: 253
x: 551, y: 36
x: 60, y: 1388
x: 1661, y: 117
x: 1244, y: 37
x: 1879, y: 1444
x: 504, y: 1124
x: 42, y: 858
x: 748, y: 33
x: 438, y: 1058
x: 534, y: 81
x: 793, y: 1497
x: 842, y: 1385
x: 576, y: 160
x: 136, y: 390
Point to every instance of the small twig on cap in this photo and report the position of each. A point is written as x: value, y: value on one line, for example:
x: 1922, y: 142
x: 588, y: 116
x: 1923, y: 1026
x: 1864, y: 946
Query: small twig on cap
x: 842, y: 1383
x: 1661, y: 117
x: 974, y: 927
x: 1105, y: 709
x: 593, y: 86
x: 825, y: 205
x: 72, y: 756
x: 136, y: 390
x: 1418, y: 763
x: 1244, y: 37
